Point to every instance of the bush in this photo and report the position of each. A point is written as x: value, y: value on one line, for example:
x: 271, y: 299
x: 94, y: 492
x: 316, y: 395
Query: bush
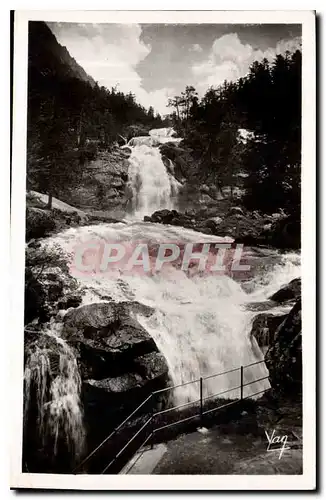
x: 39, y: 223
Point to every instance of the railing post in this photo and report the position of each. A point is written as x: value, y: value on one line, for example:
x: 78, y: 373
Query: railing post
x: 152, y: 420
x: 241, y: 382
x: 201, y: 400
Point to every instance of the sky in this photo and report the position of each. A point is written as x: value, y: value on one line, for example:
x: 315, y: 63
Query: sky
x: 157, y: 61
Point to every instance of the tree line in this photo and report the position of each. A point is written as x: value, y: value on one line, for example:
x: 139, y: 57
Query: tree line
x: 70, y: 117
x: 265, y: 160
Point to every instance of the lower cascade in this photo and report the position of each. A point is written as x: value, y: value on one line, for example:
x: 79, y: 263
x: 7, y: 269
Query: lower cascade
x: 52, y: 386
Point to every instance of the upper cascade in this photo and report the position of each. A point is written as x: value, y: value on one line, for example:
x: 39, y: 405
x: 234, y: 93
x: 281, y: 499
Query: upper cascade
x: 163, y: 135
x: 153, y: 187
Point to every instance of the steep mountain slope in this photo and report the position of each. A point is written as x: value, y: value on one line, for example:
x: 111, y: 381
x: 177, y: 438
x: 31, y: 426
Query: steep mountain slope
x: 45, y: 53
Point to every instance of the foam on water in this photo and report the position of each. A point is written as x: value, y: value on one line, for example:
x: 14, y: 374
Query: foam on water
x: 201, y: 324
x: 153, y: 187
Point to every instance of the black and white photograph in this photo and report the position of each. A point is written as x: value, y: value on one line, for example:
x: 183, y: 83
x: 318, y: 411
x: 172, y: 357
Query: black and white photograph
x: 164, y: 167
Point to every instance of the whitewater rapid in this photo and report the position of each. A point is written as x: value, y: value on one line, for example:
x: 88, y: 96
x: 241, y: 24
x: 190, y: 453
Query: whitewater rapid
x: 201, y: 323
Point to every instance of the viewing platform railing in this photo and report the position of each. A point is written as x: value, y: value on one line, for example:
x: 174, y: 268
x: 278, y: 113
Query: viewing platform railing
x: 149, y: 424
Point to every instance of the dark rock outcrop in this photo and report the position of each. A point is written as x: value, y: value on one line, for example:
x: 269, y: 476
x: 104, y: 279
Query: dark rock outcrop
x: 49, y: 286
x: 35, y: 298
x: 42, y: 221
x: 107, y: 337
x: 284, y: 357
x: 249, y: 228
x: 39, y: 222
x: 147, y: 370
x: 104, y: 184
x: 264, y: 327
x: 70, y: 300
x: 291, y: 291
x: 240, y: 227
x: 165, y: 216
x: 286, y: 232
x: 180, y: 157
x: 118, y: 363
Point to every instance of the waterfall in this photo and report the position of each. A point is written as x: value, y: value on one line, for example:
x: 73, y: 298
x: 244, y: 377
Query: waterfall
x: 153, y: 187
x: 201, y: 323
x: 52, y: 380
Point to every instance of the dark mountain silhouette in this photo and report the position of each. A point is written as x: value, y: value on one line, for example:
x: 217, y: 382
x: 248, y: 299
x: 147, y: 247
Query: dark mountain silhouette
x: 47, y: 55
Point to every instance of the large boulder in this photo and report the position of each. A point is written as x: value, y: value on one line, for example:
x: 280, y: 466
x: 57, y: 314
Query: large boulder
x: 146, y: 370
x: 213, y: 223
x: 291, y: 291
x: 108, y: 338
x: 284, y: 357
x: 164, y: 216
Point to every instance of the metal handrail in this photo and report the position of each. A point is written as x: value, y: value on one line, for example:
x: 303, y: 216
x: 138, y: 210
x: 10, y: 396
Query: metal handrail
x: 175, y: 423
x: 126, y: 445
x: 200, y: 414
x: 224, y: 373
x: 115, y: 430
x: 254, y: 381
x: 176, y: 407
x: 179, y: 385
x: 221, y: 393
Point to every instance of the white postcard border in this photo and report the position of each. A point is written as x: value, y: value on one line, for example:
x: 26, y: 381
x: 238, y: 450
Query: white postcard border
x: 172, y: 482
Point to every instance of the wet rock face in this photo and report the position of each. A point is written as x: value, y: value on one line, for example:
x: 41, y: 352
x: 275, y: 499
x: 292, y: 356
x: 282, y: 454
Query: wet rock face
x: 291, y: 291
x: 264, y: 328
x: 109, y: 339
x: 118, y: 361
x: 147, y: 369
x: 284, y: 357
x: 103, y: 186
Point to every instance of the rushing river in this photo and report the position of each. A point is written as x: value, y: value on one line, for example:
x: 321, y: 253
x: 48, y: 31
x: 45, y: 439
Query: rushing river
x: 202, y: 322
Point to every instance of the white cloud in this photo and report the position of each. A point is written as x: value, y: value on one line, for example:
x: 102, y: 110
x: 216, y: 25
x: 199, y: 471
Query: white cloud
x: 230, y: 59
x: 110, y: 54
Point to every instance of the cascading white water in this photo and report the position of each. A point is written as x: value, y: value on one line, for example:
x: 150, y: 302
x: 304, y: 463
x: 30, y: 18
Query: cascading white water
x: 153, y: 187
x: 57, y: 392
x: 164, y: 135
x: 201, y: 324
